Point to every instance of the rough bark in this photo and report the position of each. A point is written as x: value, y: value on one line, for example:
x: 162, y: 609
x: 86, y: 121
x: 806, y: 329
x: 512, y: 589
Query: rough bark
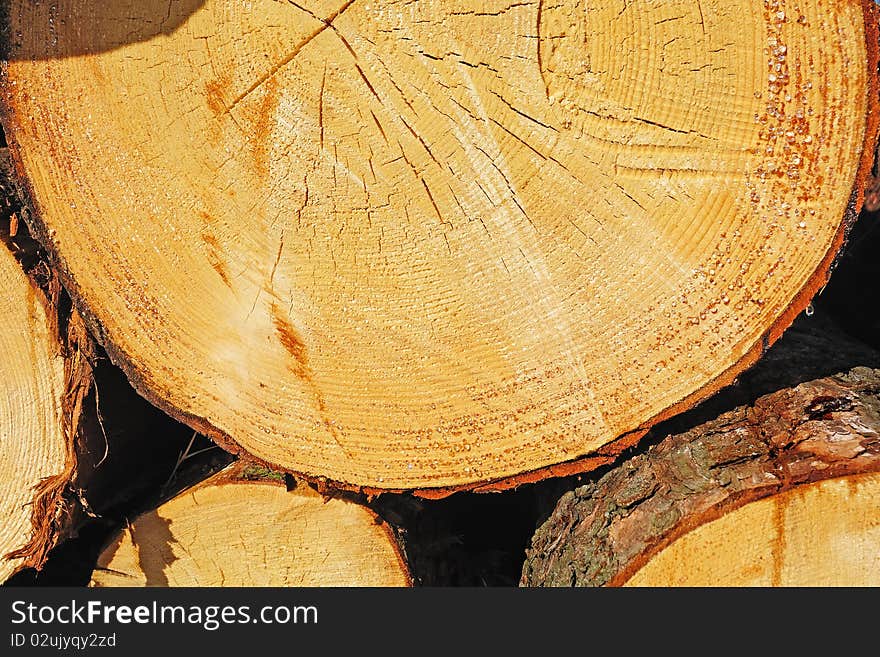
x: 605, y: 532
x: 429, y: 249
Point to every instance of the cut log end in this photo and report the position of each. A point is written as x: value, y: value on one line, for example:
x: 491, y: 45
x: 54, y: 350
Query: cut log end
x: 780, y: 494
x: 232, y: 531
x: 821, y: 534
x: 435, y: 249
x: 34, y: 464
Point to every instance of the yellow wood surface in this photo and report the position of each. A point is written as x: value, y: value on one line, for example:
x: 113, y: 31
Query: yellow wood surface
x: 435, y: 243
x: 821, y: 534
x: 31, y: 385
x: 253, y: 534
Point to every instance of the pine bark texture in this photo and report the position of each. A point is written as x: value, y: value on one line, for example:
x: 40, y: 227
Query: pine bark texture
x: 606, y: 531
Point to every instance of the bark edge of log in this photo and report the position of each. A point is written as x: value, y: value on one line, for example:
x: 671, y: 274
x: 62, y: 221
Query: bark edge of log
x: 602, y: 533
x: 605, y: 455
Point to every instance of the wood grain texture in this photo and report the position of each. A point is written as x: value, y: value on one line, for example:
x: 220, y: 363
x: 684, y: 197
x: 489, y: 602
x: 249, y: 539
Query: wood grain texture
x: 229, y: 531
x: 437, y: 245
x: 32, y: 440
x: 821, y: 534
x: 784, y: 492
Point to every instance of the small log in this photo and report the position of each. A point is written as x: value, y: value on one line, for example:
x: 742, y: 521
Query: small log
x: 780, y: 493
x: 243, y: 527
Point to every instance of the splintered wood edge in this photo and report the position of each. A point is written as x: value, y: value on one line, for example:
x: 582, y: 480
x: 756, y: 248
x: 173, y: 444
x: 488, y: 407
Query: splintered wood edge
x: 51, y: 514
x: 604, y: 455
x: 788, y: 460
x: 237, y: 473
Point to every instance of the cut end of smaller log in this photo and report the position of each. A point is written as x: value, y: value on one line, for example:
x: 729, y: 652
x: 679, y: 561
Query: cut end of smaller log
x: 34, y: 463
x: 243, y: 527
x: 783, y: 493
x: 821, y: 534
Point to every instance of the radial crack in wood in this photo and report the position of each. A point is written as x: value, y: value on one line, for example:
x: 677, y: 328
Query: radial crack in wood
x: 438, y: 245
x: 242, y: 527
x: 34, y: 461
